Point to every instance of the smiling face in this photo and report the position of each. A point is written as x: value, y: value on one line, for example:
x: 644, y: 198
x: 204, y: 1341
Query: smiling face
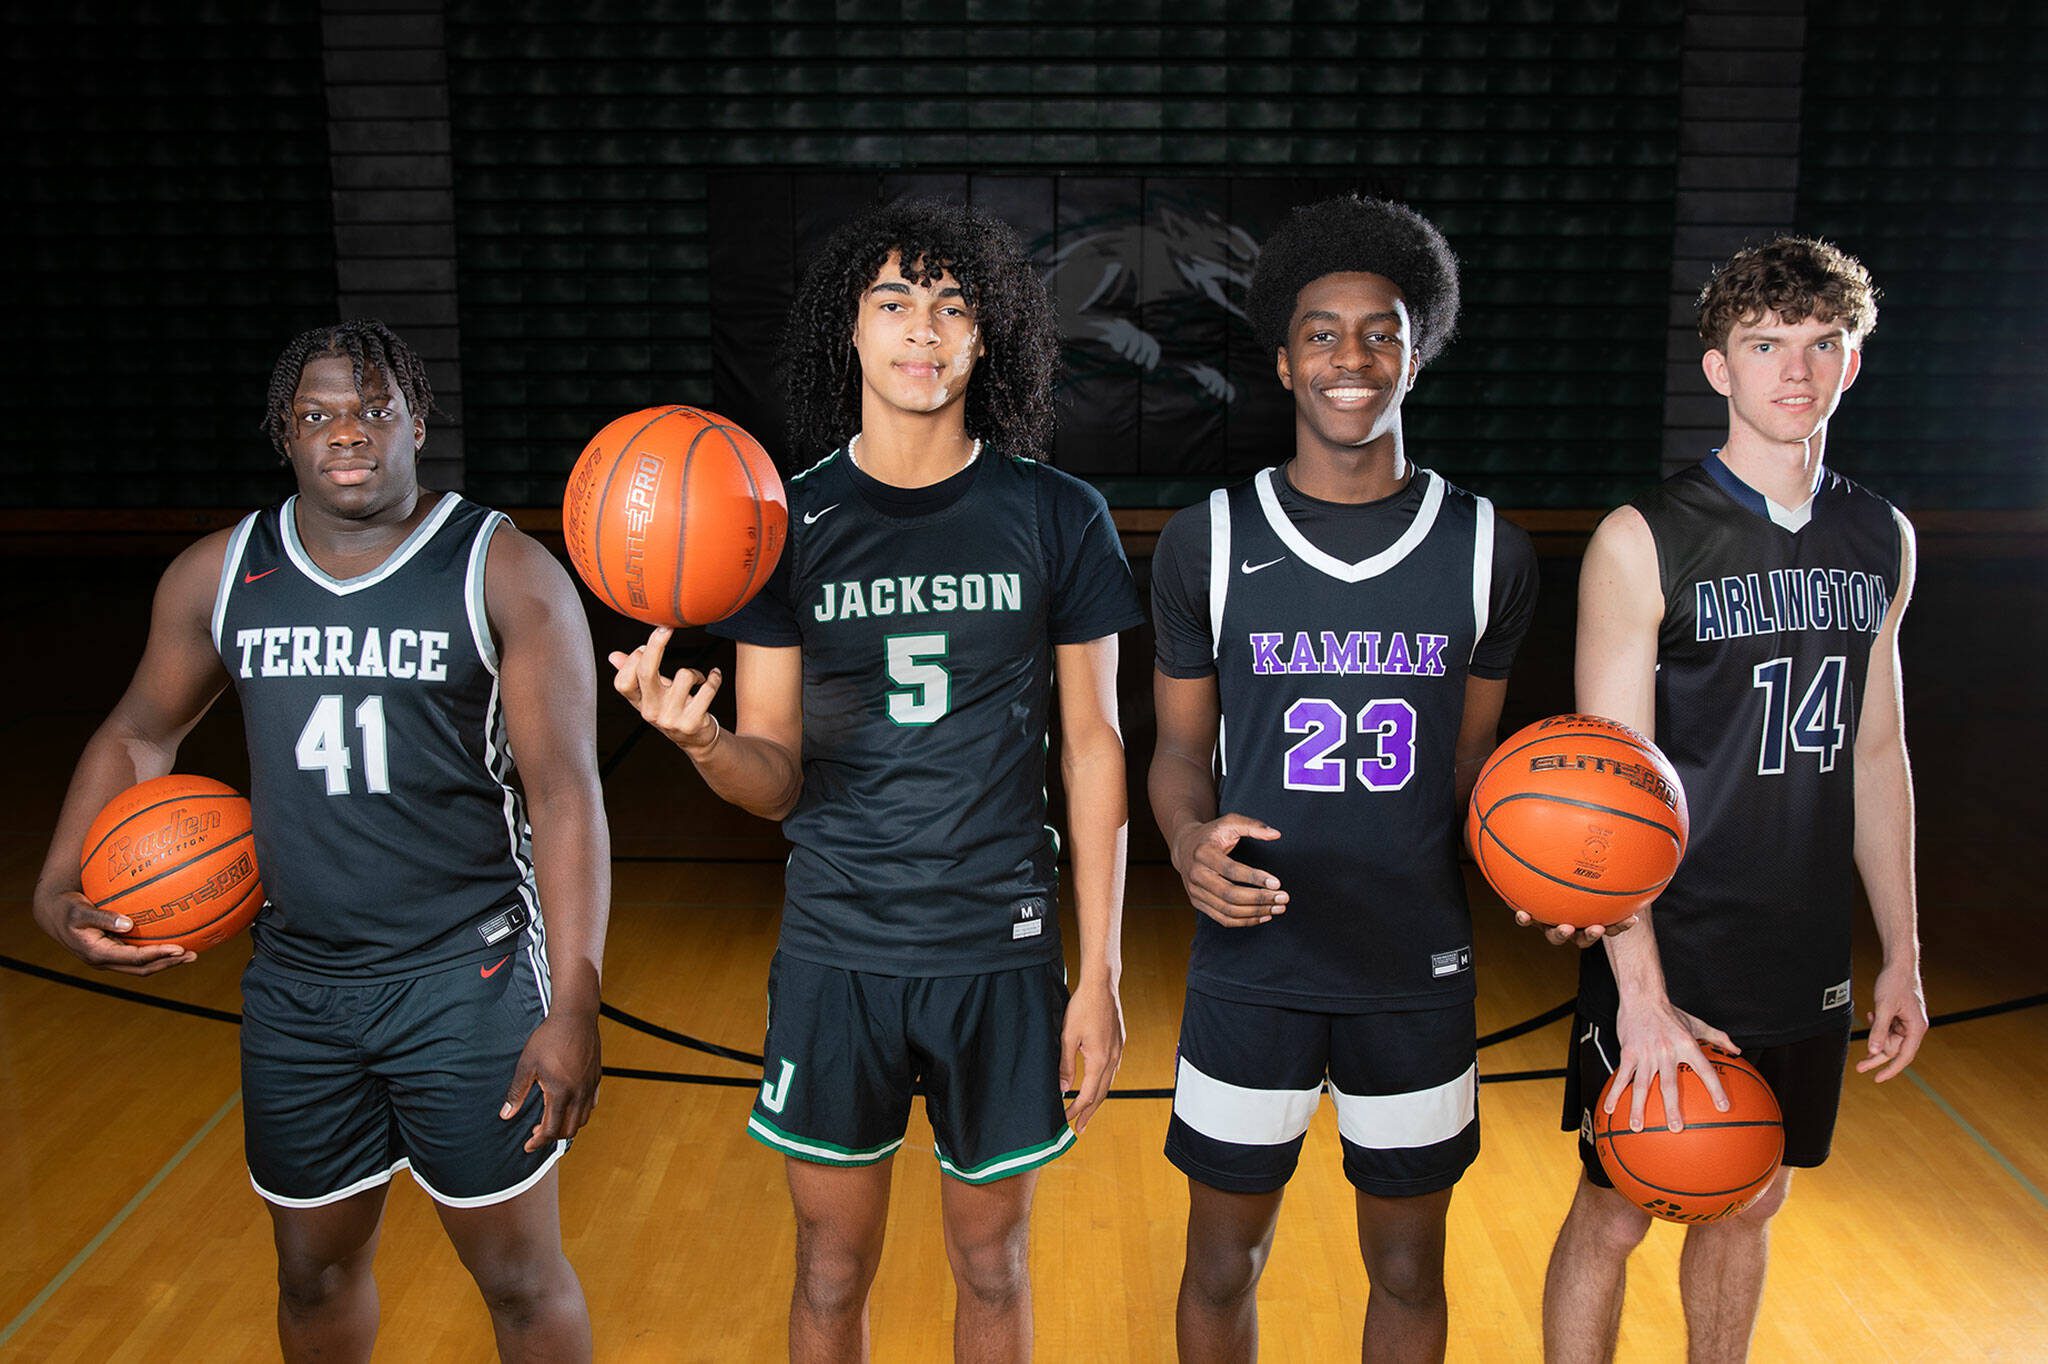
x: 917, y: 342
x: 1349, y: 360
x: 353, y: 452
x: 1783, y: 380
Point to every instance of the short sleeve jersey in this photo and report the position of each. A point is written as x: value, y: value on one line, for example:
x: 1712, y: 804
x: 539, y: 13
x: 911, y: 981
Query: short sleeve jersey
x: 388, y: 834
x: 1341, y: 637
x: 1769, y: 620
x: 927, y: 620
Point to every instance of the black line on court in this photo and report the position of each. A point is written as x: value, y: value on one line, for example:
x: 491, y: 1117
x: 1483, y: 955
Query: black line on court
x: 681, y: 1039
x: 101, y: 987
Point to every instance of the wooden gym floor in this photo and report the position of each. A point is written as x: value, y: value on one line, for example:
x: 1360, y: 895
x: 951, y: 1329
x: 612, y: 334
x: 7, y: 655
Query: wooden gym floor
x: 130, y: 1231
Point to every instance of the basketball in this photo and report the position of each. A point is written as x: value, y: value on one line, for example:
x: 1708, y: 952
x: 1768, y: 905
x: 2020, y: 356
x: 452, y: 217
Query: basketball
x: 1577, y: 820
x: 1713, y: 1168
x: 674, y: 516
x: 176, y: 856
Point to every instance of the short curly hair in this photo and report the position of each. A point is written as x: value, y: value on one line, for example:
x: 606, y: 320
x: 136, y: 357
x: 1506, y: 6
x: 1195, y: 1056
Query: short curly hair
x: 1348, y: 233
x: 1010, y: 393
x: 1794, y: 277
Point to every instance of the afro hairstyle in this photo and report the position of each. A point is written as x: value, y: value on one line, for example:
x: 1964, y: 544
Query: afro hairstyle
x: 1351, y: 233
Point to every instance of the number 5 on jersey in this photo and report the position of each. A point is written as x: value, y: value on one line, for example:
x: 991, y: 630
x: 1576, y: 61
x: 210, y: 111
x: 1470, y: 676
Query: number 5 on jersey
x: 924, y: 688
x: 324, y: 748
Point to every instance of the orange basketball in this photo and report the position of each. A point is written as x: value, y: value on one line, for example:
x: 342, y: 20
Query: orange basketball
x: 1577, y: 820
x: 674, y: 516
x: 176, y: 856
x: 1713, y: 1168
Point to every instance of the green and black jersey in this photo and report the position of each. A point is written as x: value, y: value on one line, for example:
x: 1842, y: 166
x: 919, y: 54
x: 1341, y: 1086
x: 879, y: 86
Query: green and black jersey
x: 927, y: 618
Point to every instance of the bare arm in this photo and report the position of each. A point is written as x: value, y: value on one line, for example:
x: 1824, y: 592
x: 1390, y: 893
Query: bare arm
x: 549, y: 682
x: 1098, y: 815
x: 1182, y: 785
x: 1478, y: 730
x: 757, y: 766
x: 1884, y: 842
x: 177, y: 680
x: 1620, y: 609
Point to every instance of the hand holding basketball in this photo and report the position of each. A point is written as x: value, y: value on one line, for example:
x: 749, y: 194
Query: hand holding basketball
x: 679, y: 707
x: 92, y: 935
x: 1557, y: 935
x: 1657, y: 1037
x: 1219, y: 885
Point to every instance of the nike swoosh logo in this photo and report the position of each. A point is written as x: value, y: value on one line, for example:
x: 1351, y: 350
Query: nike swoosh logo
x: 486, y: 971
x: 1249, y: 567
x: 812, y: 516
x: 252, y: 577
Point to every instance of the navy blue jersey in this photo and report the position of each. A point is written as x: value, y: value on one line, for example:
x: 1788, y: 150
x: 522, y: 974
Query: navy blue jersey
x: 389, y: 838
x: 1342, y: 687
x: 927, y: 619
x: 1769, y: 619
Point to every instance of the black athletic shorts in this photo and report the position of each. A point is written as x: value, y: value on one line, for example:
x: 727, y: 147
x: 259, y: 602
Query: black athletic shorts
x: 1806, y: 1077
x: 847, y: 1049
x: 343, y: 1085
x: 1250, y: 1076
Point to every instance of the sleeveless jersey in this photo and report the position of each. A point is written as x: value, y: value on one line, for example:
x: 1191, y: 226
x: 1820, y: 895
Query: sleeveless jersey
x: 1342, y: 688
x: 1761, y: 660
x: 389, y: 839
x: 920, y: 846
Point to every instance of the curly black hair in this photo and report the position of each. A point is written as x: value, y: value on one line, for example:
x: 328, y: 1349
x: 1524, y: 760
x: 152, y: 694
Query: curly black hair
x: 369, y: 345
x: 1350, y: 233
x: 1009, y: 395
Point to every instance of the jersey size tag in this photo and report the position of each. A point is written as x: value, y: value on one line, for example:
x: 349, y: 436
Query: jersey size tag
x: 1834, y: 997
x: 501, y: 926
x: 1027, y: 919
x: 1450, y: 963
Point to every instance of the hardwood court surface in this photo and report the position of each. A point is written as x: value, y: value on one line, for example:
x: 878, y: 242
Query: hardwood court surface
x: 131, y: 1233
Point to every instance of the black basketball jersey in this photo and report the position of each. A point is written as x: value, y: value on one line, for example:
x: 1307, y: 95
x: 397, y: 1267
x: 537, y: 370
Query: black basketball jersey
x: 1769, y: 618
x: 927, y: 620
x: 1342, y: 687
x: 389, y: 838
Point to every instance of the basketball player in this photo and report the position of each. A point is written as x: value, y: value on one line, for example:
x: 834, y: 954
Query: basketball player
x: 894, y: 684
x: 424, y: 988
x: 1334, y: 643
x: 1746, y: 613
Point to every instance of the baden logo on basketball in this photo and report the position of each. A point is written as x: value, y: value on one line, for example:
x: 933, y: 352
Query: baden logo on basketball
x: 136, y: 852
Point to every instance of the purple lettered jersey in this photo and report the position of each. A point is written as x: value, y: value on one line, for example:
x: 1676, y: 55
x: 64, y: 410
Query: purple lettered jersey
x: 1341, y: 638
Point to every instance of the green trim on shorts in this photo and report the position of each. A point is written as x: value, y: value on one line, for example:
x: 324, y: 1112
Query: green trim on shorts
x: 814, y: 1150
x: 1009, y: 1163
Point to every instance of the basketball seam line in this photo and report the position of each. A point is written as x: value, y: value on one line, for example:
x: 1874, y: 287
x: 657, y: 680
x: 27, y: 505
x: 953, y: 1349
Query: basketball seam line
x: 172, y: 871
x: 604, y: 497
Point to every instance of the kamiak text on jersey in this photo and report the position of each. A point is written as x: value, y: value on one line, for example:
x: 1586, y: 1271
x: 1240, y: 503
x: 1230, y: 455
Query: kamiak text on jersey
x: 336, y: 651
x: 1358, y: 651
x: 921, y: 595
x: 1788, y: 599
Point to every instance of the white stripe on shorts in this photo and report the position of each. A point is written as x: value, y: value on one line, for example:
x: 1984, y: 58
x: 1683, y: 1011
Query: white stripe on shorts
x: 1248, y: 1117
x: 1422, y: 1117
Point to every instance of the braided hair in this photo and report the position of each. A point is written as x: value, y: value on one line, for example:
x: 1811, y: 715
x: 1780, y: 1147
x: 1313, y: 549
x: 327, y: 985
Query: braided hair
x: 369, y: 346
x: 1010, y: 393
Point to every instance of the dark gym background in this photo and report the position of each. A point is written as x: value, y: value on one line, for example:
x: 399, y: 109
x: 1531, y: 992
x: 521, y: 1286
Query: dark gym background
x: 577, y: 210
